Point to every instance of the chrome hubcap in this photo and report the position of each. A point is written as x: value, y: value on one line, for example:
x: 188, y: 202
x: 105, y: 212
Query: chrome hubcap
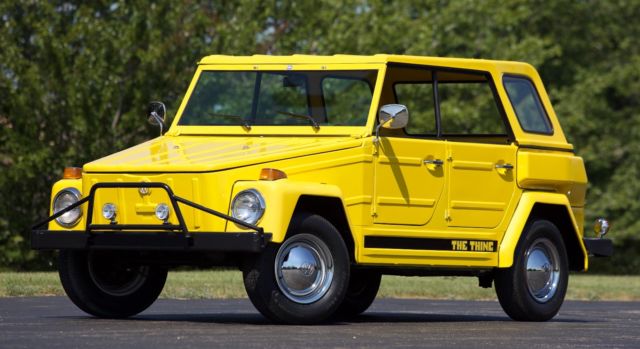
x: 304, y: 268
x: 543, y: 273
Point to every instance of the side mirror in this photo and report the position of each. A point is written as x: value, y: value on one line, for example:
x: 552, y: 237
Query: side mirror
x: 393, y: 116
x: 156, y: 113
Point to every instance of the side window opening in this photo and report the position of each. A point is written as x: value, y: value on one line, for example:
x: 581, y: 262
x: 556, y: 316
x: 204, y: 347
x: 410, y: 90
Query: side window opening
x: 468, y: 107
x: 418, y: 97
x: 467, y: 103
x: 527, y: 105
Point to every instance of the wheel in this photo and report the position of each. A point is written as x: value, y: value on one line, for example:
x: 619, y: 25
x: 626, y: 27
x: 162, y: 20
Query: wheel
x: 362, y: 291
x: 533, y: 289
x: 104, y: 284
x: 303, y: 280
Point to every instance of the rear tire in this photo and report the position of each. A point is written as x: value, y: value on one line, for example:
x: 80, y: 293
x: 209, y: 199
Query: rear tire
x: 362, y: 291
x: 303, y: 280
x: 105, y: 285
x: 533, y: 289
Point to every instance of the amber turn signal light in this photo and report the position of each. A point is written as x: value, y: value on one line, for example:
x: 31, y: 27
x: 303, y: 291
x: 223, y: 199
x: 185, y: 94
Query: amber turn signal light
x: 72, y: 173
x: 271, y: 174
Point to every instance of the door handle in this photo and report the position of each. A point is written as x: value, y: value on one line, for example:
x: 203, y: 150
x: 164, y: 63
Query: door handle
x: 436, y: 162
x: 506, y: 166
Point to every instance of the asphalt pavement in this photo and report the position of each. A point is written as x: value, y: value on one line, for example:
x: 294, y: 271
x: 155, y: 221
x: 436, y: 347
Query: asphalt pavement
x: 54, y: 322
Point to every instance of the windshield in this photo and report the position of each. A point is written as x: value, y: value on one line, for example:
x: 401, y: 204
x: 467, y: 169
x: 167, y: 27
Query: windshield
x: 315, y: 98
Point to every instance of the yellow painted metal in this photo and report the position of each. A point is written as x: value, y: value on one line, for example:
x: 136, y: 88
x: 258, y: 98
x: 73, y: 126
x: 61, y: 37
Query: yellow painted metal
x: 386, y: 188
x: 213, y: 153
x: 323, y: 166
x: 281, y: 197
x: 473, y: 200
x: 519, y: 220
x: 561, y: 172
x: 578, y: 214
x: 407, y: 189
x: 136, y: 207
x: 421, y: 257
x: 479, y: 192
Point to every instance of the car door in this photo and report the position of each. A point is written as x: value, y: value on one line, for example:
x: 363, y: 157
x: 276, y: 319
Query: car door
x: 409, y: 180
x: 481, y: 158
x: 481, y: 183
x: 409, y: 173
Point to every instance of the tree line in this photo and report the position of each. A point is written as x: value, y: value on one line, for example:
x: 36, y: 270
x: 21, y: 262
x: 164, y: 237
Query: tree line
x: 75, y: 79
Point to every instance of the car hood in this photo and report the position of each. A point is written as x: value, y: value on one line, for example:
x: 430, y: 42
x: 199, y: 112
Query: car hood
x: 207, y: 153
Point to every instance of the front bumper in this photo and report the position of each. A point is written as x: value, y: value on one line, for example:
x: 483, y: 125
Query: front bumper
x: 148, y: 241
x: 598, y: 247
x: 144, y: 237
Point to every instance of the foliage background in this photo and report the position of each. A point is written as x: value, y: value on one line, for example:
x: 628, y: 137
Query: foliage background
x: 75, y: 79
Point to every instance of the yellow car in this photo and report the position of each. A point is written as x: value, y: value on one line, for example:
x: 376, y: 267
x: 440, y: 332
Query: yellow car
x: 315, y: 175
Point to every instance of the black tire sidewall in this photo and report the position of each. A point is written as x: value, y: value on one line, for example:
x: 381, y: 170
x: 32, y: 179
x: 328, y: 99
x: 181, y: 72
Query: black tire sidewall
x: 76, y: 280
x: 511, y: 284
x: 265, y: 294
x: 362, y: 291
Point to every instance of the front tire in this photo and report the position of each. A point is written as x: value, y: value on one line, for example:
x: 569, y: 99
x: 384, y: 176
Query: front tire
x: 105, y: 285
x: 303, y: 280
x: 533, y: 289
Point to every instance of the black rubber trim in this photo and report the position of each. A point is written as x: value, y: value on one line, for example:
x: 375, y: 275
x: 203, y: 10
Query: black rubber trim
x: 149, y: 241
x: 401, y: 243
x: 546, y: 148
x: 598, y: 247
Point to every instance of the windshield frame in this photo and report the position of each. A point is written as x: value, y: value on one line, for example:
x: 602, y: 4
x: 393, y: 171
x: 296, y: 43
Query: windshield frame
x: 328, y: 130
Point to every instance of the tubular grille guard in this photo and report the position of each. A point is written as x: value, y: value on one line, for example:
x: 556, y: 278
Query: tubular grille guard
x: 182, y: 227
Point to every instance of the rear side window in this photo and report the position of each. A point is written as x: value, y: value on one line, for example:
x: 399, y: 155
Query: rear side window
x: 526, y: 103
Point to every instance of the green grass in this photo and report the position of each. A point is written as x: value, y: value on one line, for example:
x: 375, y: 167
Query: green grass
x: 228, y: 284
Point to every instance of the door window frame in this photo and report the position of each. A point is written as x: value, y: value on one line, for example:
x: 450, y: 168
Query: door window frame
x: 510, y: 138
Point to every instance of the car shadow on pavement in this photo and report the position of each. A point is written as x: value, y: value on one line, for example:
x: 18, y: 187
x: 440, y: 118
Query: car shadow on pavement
x: 371, y: 317
x: 411, y: 317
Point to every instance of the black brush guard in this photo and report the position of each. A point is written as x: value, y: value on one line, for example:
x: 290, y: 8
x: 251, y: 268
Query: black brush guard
x: 140, y: 237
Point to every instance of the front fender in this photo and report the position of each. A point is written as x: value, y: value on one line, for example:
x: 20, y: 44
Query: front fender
x: 520, y: 217
x: 280, y: 198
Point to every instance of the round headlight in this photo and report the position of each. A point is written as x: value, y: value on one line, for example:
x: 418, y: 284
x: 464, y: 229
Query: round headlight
x: 162, y: 212
x: 65, y: 198
x: 109, y: 211
x: 248, y: 206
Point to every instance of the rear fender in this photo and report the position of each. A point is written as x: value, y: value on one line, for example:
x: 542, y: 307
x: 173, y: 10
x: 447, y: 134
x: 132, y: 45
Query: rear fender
x: 553, y: 207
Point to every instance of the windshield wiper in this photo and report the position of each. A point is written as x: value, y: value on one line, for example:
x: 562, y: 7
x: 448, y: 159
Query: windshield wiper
x: 245, y: 122
x: 313, y: 122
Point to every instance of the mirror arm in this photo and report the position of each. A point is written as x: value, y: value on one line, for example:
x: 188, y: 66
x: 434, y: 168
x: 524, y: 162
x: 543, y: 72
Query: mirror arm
x: 156, y: 114
x: 380, y: 124
x: 158, y: 120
